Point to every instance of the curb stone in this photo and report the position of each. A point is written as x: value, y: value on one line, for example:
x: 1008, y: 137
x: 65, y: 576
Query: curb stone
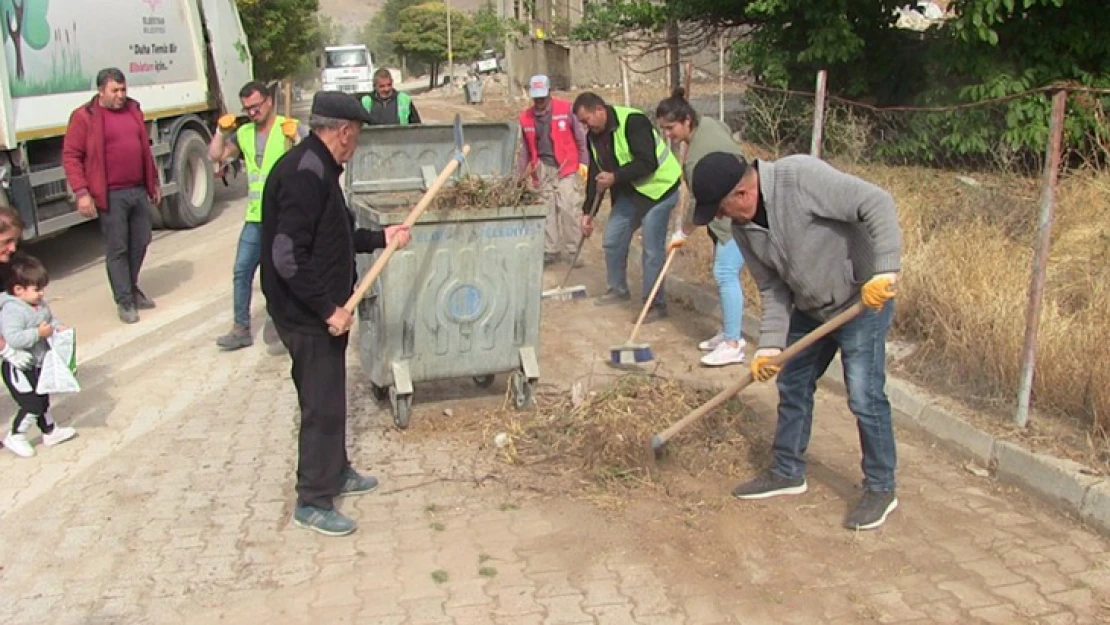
x: 1062, y: 483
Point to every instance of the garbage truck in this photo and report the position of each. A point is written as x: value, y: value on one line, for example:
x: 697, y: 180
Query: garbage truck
x: 184, y: 60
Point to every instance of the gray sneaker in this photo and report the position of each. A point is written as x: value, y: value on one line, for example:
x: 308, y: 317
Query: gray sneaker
x: 355, y: 484
x: 612, y: 297
x: 327, y: 522
x: 655, y: 313
x: 769, y: 484
x: 127, y: 313
x: 240, y: 336
x: 872, y: 510
x: 142, y: 302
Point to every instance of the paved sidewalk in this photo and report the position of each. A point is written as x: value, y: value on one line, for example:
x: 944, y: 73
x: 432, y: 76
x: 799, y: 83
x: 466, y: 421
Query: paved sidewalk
x: 173, y: 506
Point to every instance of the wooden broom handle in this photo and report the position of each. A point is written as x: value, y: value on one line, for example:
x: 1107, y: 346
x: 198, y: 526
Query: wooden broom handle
x: 659, y: 281
x: 425, y: 201
x: 800, y: 345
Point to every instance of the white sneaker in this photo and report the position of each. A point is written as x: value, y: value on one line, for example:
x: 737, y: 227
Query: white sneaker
x: 19, y: 445
x: 711, y: 344
x: 725, y: 354
x: 59, y: 435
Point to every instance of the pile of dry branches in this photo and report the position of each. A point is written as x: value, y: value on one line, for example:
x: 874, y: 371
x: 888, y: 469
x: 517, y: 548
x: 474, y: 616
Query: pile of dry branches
x: 607, y: 436
x: 474, y: 192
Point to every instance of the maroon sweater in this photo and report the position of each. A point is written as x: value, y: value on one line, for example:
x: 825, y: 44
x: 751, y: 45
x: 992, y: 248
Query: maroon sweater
x: 86, y: 147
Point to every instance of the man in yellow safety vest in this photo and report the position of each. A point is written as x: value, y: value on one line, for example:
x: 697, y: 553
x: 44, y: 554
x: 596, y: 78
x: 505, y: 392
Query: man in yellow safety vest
x: 260, y: 147
x: 630, y: 159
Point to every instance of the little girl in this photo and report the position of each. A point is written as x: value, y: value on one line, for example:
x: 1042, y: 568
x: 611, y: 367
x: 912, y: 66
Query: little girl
x: 26, y: 322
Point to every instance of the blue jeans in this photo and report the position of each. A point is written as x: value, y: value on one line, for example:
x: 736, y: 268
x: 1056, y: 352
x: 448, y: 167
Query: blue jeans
x: 727, y: 263
x: 624, y: 220
x: 247, y: 257
x: 862, y: 345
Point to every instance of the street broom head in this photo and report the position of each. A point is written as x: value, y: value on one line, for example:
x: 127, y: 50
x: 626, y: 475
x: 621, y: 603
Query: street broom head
x: 568, y: 293
x: 630, y: 354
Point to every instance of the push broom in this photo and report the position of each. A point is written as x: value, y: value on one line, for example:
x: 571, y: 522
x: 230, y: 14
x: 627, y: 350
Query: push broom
x: 631, y: 352
x: 578, y: 291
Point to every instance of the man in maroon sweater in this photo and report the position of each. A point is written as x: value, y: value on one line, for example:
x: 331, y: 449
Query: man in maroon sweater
x: 110, y: 167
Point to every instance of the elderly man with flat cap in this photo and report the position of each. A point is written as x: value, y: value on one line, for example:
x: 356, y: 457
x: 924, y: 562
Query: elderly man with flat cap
x: 817, y: 241
x: 309, y: 242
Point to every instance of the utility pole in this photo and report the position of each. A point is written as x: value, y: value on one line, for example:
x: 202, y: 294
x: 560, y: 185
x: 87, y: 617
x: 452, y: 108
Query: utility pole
x: 450, y: 50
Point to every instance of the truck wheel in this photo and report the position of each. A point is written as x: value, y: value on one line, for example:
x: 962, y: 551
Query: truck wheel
x: 191, y: 206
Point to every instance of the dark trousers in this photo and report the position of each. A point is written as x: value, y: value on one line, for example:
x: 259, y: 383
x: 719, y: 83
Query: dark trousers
x: 320, y: 375
x: 30, y: 403
x: 127, y: 231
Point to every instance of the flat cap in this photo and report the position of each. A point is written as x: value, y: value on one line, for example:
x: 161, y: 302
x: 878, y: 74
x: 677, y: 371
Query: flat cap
x: 339, y: 105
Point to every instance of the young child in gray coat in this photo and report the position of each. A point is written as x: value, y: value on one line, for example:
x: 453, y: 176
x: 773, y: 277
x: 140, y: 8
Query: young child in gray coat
x: 26, y: 322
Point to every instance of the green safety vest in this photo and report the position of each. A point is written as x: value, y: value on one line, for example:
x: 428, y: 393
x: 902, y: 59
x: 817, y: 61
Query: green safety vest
x: 404, y: 106
x: 666, y: 175
x: 276, y: 146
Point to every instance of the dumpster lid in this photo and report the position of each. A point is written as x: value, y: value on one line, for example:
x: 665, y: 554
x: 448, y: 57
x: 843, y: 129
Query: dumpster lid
x: 389, y: 159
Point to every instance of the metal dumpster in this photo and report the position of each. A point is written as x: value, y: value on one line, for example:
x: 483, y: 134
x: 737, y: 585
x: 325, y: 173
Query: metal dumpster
x: 463, y: 298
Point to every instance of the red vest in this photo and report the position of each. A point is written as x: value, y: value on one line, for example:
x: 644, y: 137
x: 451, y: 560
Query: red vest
x: 562, y: 137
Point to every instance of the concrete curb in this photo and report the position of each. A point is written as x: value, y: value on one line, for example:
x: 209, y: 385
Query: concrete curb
x: 1066, y: 485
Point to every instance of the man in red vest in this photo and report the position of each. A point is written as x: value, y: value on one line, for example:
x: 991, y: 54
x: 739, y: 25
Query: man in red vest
x: 554, y: 150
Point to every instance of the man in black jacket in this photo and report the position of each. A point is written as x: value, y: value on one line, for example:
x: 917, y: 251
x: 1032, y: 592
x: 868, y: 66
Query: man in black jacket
x: 629, y: 158
x: 309, y: 244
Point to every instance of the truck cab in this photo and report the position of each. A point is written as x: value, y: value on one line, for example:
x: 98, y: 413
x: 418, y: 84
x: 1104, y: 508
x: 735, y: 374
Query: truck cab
x: 347, y: 68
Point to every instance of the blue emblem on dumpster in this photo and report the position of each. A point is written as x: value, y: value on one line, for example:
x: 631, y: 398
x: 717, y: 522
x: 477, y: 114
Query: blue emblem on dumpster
x: 464, y: 303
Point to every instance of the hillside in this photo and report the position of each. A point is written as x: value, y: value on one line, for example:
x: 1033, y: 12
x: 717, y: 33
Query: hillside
x: 357, y: 12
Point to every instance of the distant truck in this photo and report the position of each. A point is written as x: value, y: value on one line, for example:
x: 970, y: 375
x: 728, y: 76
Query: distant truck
x: 185, y: 61
x: 346, y: 68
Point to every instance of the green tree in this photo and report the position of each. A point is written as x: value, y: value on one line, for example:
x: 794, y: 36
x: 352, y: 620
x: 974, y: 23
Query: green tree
x: 377, y: 33
x: 281, y: 33
x: 423, y: 36
x: 24, y: 22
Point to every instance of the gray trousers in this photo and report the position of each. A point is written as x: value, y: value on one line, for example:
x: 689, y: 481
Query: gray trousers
x: 127, y: 232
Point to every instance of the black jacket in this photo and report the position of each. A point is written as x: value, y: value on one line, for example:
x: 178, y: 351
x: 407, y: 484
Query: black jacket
x: 309, y: 240
x: 641, y: 142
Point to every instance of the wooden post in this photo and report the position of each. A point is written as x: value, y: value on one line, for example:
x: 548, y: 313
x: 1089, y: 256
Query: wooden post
x: 818, y: 115
x: 1053, y: 151
x: 289, y: 97
x: 721, y: 77
x: 624, y: 82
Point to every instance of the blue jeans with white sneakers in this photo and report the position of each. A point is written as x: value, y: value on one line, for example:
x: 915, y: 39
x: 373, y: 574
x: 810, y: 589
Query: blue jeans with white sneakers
x: 727, y: 263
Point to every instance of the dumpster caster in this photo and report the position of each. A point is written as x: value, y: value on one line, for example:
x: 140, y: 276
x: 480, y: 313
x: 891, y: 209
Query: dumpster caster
x: 522, y: 390
x: 380, y: 393
x: 483, y: 381
x: 401, y: 408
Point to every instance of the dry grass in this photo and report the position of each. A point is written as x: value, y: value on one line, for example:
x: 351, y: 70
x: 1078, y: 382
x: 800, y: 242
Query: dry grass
x: 966, y: 269
x: 474, y: 192
x: 605, y: 439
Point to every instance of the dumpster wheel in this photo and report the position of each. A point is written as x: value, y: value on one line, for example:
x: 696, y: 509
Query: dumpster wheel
x: 522, y: 390
x: 402, y: 405
x: 483, y: 381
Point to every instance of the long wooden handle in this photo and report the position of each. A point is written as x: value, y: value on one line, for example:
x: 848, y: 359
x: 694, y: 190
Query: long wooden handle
x: 379, y: 264
x: 659, y: 281
x: 803, y: 343
x: 651, y: 297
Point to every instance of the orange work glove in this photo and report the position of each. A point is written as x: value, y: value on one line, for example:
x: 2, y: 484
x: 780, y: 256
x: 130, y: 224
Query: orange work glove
x: 878, y: 290
x: 762, y: 369
x: 289, y: 128
x: 226, y: 122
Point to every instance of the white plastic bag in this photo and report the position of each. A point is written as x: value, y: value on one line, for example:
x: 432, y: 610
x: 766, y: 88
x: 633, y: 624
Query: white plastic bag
x: 59, y: 365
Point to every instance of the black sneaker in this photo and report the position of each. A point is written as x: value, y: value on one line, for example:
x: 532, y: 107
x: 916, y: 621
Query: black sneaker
x: 655, y: 313
x: 769, y: 484
x: 612, y: 297
x: 872, y: 510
